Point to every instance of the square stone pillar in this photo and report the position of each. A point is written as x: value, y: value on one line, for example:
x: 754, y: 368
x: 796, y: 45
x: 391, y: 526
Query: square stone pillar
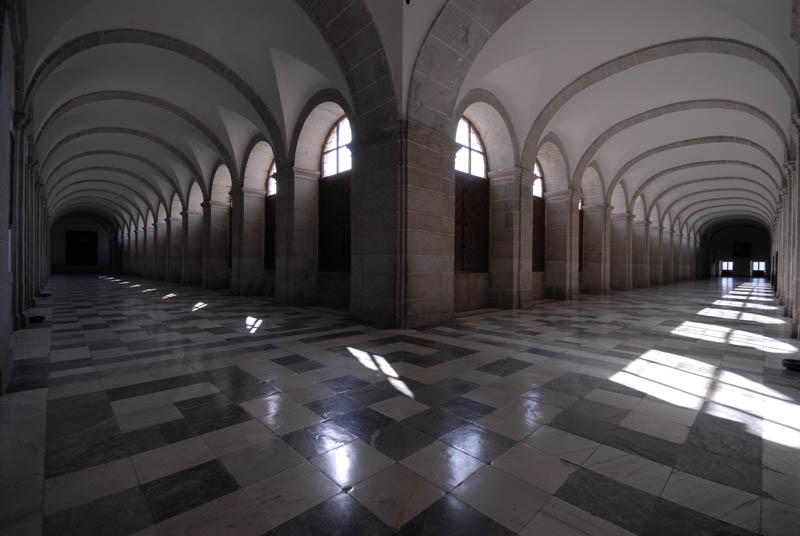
x: 217, y: 270
x: 621, y: 251
x: 176, y: 249
x: 375, y: 229
x: 296, y: 251
x: 247, y: 276
x: 160, y: 240
x: 510, y: 238
x: 195, y: 245
x: 641, y: 254
x: 596, y: 275
x: 667, y: 254
x: 656, y: 255
x: 561, y: 264
x: 677, y: 257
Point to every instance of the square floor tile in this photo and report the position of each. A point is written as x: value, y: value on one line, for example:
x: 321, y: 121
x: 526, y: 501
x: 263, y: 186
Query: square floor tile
x: 159, y: 435
x: 289, y: 418
x: 318, y: 439
x: 399, y: 407
x: 236, y: 437
x: 443, y: 465
x: 351, y: 463
x: 399, y: 441
x: 333, y: 406
x: 73, y: 489
x: 545, y: 471
x: 478, y: 442
x: 341, y: 514
x: 448, y: 515
x: 396, y: 495
x: 435, y: 422
x: 343, y: 384
x: 120, y: 514
x: 363, y: 423
x: 469, y: 410
x: 233, y: 513
x: 212, y: 412
x: 560, y: 517
x: 259, y: 461
x: 179, y: 492
x: 171, y: 459
x: 566, y: 446
x: 629, y: 469
x: 290, y: 493
x: 502, y: 497
x: 504, y: 367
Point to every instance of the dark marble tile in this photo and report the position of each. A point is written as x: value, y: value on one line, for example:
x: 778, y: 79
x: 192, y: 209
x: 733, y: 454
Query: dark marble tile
x: 333, y: 406
x: 363, y: 422
x: 339, y: 515
x: 551, y: 398
x: 71, y: 364
x: 725, y: 438
x: 644, y: 445
x: 447, y: 516
x: 119, y: 514
x: 585, y: 425
x: 608, y: 499
x: 343, y: 384
x: 298, y: 363
x: 188, y: 489
x: 212, y: 412
x: 435, y: 422
x: 443, y: 391
x: 504, y: 367
x: 615, y: 387
x: 370, y: 394
x: 668, y: 518
x: 74, y: 378
x: 603, y: 412
x: 158, y: 435
x: 146, y: 388
x: 578, y: 385
x: 399, y: 441
x: 467, y: 409
x: 331, y: 336
x: 478, y: 442
x: 70, y: 451
x: 742, y: 474
x: 75, y: 413
x: 318, y: 439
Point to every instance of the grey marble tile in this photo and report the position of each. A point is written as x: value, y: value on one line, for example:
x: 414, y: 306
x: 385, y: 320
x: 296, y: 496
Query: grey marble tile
x: 120, y: 514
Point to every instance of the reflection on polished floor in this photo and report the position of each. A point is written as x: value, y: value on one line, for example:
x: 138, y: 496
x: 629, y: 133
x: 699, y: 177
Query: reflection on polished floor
x: 144, y: 408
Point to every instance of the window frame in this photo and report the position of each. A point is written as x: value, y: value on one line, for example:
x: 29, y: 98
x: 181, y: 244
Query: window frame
x: 470, y: 149
x: 334, y: 131
x: 538, y: 178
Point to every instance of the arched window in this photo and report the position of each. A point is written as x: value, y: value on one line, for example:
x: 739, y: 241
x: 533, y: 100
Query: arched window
x: 471, y: 156
x: 538, y: 180
x: 472, y: 201
x: 272, y: 184
x: 334, y: 200
x: 538, y: 261
x: 270, y: 218
x: 336, y: 155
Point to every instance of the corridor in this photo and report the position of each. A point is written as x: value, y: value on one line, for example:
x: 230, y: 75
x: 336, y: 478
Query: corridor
x: 140, y: 407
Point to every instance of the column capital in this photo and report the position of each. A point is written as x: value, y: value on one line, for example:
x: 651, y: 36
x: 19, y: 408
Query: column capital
x: 217, y: 204
x: 508, y: 173
x: 253, y: 193
x: 622, y: 216
x: 790, y: 168
x: 567, y: 194
x: 597, y: 207
x: 306, y: 174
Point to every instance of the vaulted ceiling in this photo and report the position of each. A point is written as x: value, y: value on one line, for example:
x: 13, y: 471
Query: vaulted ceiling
x: 677, y: 111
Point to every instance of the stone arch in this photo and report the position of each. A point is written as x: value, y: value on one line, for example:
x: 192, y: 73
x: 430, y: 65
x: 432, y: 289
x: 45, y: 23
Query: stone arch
x: 258, y: 158
x: 702, y: 104
x: 639, y: 208
x: 100, y: 96
x: 353, y: 36
x: 619, y: 199
x: 221, y: 184
x: 162, y: 213
x: 195, y: 198
x: 51, y: 186
x: 176, y: 207
x: 732, y: 201
x: 131, y: 132
x: 165, y: 42
x: 591, y: 186
x: 755, y: 183
x: 685, y: 143
x: 663, y: 50
x: 555, y: 166
x: 314, y: 124
x: 490, y: 118
x: 55, y: 192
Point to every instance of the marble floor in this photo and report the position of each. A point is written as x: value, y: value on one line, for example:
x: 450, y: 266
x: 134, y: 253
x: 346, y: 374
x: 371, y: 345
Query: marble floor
x: 143, y: 408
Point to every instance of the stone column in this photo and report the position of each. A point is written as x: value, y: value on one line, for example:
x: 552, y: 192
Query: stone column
x: 667, y: 254
x: 596, y: 276
x: 176, y: 249
x: 195, y: 244
x: 561, y: 264
x: 247, y: 275
x: 641, y: 254
x: 510, y: 239
x: 656, y: 255
x: 218, y: 271
x: 621, y: 251
x: 146, y: 262
x: 160, y: 249
x: 677, y: 263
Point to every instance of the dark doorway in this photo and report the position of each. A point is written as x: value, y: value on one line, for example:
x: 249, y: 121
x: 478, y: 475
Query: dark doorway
x: 81, y: 248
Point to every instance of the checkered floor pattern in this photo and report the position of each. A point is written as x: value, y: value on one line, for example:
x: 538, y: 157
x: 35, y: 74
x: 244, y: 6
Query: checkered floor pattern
x: 139, y: 407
